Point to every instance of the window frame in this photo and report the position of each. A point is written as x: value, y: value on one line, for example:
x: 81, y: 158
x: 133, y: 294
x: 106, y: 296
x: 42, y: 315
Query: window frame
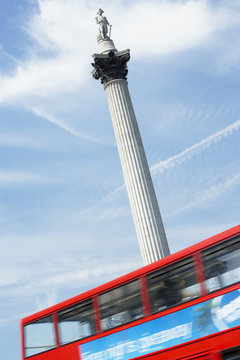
x: 25, y: 348
x: 217, y: 249
x: 162, y: 271
x: 88, y: 300
x: 117, y: 287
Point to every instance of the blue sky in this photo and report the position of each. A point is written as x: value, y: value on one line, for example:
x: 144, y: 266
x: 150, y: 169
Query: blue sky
x: 66, y: 224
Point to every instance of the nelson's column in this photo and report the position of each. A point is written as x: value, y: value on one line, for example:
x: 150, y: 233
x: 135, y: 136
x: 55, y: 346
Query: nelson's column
x: 110, y: 66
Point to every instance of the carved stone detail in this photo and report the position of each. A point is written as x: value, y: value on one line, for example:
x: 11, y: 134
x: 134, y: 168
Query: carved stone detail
x: 111, y: 66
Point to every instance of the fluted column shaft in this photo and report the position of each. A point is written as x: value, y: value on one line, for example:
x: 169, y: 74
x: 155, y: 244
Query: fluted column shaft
x: 142, y: 197
x: 111, y: 69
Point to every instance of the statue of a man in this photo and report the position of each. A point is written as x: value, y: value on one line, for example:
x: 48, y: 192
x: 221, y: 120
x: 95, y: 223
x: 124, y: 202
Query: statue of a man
x: 103, y: 24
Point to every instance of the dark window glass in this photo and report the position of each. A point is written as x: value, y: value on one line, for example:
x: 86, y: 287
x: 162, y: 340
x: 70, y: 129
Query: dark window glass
x: 231, y: 354
x: 121, y: 305
x: 39, y: 336
x: 76, y: 322
x: 172, y: 285
x: 222, y: 264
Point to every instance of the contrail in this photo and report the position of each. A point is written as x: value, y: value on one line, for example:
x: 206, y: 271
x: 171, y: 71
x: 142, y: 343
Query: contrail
x: 194, y: 149
x: 211, y: 192
x: 173, y: 161
x: 109, y: 197
x: 62, y: 124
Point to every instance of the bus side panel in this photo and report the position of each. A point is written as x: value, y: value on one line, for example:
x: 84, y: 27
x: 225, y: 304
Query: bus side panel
x: 195, y: 349
x: 69, y: 352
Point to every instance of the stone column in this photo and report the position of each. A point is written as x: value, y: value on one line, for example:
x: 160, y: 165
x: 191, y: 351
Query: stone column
x: 111, y: 68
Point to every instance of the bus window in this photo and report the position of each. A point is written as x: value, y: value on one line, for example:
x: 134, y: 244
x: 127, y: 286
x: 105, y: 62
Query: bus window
x: 231, y: 354
x: 172, y: 285
x: 121, y: 305
x: 222, y: 264
x: 39, y: 336
x: 76, y: 322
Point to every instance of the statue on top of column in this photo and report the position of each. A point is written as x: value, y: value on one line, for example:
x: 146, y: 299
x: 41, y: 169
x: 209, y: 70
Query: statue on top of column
x: 103, y: 25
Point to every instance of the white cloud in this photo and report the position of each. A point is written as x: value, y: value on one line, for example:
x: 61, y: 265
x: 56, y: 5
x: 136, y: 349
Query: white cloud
x: 16, y: 140
x: 8, y: 177
x: 163, y: 27
x: 64, y: 33
x: 47, y: 299
x: 12, y: 140
x: 23, y: 282
x: 42, y: 78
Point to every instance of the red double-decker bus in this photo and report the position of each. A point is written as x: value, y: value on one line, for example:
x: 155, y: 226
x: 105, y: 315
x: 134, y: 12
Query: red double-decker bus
x: 185, y: 306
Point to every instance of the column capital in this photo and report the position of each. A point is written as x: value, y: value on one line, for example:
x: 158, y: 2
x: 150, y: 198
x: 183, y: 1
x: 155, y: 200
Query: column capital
x: 111, y: 66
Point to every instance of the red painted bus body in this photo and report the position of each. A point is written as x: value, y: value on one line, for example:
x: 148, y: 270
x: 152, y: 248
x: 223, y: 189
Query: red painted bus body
x: 185, y: 306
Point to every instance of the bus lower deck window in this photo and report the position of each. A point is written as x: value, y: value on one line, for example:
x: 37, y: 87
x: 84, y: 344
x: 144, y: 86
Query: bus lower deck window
x: 172, y: 285
x: 39, y: 336
x: 121, y: 305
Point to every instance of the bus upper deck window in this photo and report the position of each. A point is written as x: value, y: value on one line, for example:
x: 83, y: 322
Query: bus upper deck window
x: 39, y: 336
x: 172, y: 285
x: 76, y: 322
x: 121, y: 305
x: 222, y: 264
